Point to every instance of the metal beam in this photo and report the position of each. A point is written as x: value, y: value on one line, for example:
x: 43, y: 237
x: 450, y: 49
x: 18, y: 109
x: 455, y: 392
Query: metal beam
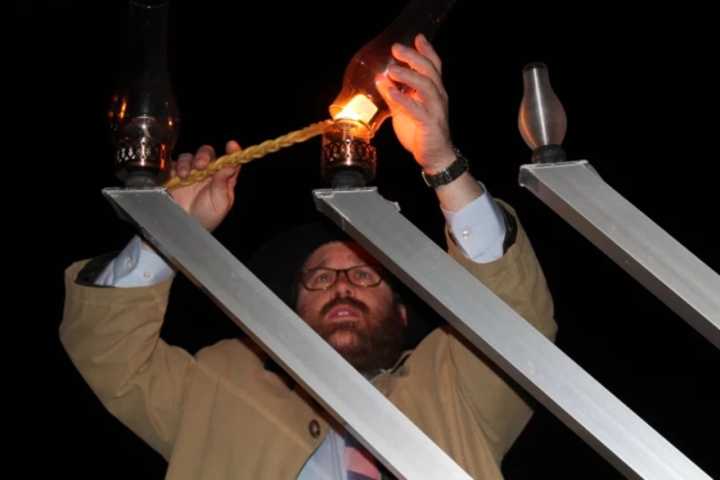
x: 507, y: 339
x: 336, y: 385
x: 660, y: 263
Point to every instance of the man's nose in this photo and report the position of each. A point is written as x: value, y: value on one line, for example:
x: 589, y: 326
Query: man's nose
x: 343, y: 284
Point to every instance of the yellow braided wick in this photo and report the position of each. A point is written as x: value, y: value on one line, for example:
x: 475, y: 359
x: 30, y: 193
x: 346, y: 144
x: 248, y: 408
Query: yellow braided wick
x: 251, y: 153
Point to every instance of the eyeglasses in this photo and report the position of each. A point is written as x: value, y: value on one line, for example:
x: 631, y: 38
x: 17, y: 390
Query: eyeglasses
x: 322, y: 278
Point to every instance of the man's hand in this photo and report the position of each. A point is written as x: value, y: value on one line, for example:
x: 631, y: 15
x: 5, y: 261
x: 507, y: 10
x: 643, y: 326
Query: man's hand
x: 420, y: 109
x: 420, y: 117
x: 208, y: 201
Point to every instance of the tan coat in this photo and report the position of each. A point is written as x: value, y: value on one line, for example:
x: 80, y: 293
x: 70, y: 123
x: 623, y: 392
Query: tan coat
x: 222, y: 415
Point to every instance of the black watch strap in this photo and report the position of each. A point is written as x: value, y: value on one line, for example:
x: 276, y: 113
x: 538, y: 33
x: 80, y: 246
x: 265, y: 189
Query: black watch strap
x: 457, y: 168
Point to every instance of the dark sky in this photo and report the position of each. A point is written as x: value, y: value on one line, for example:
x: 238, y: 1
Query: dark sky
x: 642, y: 107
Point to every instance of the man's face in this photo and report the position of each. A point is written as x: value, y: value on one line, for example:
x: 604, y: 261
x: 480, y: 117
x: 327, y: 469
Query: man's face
x: 364, y: 324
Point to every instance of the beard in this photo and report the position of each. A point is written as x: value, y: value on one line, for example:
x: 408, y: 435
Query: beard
x: 367, y: 349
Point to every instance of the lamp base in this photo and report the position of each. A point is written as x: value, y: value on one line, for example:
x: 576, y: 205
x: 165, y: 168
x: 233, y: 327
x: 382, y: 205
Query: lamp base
x: 348, y: 158
x: 549, y: 154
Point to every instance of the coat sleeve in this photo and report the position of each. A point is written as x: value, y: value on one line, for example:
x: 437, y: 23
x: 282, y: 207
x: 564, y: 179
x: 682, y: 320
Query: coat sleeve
x: 499, y: 404
x: 112, y: 336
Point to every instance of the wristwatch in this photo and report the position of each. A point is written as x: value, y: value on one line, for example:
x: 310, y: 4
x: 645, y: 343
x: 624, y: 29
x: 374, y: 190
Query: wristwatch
x: 457, y: 168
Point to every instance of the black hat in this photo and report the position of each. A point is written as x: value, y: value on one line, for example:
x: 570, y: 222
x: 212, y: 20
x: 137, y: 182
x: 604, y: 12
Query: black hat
x: 279, y: 260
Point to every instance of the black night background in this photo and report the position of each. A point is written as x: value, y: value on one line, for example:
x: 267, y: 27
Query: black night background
x: 642, y: 107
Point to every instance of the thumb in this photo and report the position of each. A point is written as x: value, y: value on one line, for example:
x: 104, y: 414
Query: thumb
x: 222, y: 178
x: 222, y: 191
x: 232, y: 180
x: 384, y: 85
x: 232, y: 146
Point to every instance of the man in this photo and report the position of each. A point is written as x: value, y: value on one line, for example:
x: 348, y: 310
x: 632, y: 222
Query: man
x: 223, y: 414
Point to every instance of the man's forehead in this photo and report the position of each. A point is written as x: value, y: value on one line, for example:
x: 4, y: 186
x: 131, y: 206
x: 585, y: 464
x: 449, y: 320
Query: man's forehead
x: 338, y: 251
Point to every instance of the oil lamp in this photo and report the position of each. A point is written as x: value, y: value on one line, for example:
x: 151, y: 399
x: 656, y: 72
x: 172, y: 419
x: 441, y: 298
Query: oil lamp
x: 348, y: 157
x: 542, y: 120
x: 143, y: 114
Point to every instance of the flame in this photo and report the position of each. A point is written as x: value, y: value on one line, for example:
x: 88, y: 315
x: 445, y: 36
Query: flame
x: 359, y: 108
x: 123, y: 108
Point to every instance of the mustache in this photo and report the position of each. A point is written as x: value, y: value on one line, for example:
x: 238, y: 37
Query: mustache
x: 357, y: 304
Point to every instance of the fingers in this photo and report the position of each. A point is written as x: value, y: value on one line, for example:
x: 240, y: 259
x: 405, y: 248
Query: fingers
x: 187, y: 162
x: 424, y: 87
x: 183, y: 165
x: 205, y: 155
x: 425, y: 48
x: 399, y: 101
x: 421, y: 74
x: 422, y: 59
x: 421, y: 90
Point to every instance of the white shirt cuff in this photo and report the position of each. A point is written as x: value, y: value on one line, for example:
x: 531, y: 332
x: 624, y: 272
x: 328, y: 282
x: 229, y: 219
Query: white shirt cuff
x: 136, y: 266
x: 478, y: 229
